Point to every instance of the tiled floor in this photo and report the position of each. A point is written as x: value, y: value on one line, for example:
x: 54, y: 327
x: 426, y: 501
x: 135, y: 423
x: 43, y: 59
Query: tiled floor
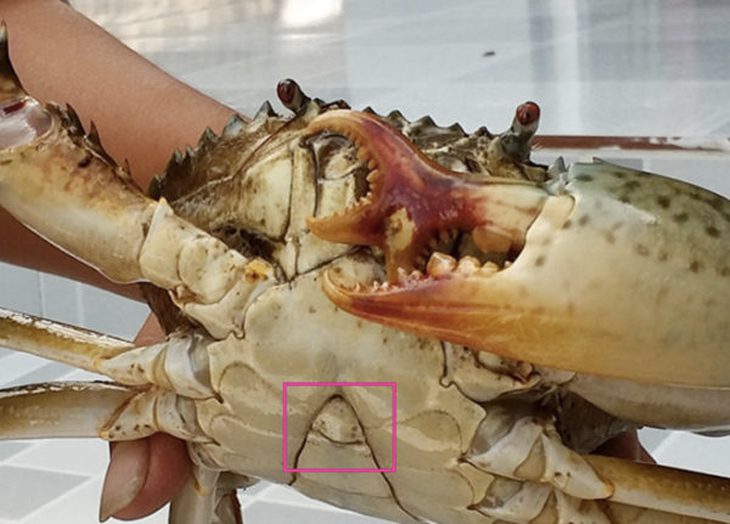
x: 624, y: 67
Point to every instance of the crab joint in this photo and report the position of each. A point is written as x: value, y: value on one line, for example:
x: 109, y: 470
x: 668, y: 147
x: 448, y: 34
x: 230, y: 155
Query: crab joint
x: 413, y: 200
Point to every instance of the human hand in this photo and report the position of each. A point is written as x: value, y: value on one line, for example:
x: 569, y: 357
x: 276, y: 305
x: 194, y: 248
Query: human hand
x: 144, y: 474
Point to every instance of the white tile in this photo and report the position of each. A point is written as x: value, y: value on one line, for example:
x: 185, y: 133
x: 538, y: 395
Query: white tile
x: 17, y: 365
x: 111, y: 314
x: 9, y: 448
x: 652, y: 438
x: 48, y: 372
x: 19, y: 289
x: 723, y: 130
x: 696, y: 453
x: 81, y: 506
x: 59, y: 299
x: 22, y: 490
x: 87, y: 457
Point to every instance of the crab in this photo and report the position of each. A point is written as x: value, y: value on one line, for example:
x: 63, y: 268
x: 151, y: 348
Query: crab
x: 405, y: 320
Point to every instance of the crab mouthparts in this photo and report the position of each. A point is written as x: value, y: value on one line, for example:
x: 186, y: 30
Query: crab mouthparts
x: 425, y: 218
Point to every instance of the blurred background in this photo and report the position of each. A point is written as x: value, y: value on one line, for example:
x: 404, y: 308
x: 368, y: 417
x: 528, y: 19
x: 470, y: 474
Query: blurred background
x: 627, y: 67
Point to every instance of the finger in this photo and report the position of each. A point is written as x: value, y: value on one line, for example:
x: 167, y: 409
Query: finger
x: 143, y: 475
x: 168, y: 467
x: 125, y: 477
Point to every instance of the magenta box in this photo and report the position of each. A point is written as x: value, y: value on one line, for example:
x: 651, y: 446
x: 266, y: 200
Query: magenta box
x: 287, y: 469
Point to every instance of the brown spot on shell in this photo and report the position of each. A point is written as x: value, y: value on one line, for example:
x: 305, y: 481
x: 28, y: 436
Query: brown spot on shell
x: 641, y: 250
x: 631, y: 185
x: 539, y: 261
x: 582, y: 221
x: 695, y: 266
x: 712, y: 231
x: 663, y: 201
x: 680, y: 218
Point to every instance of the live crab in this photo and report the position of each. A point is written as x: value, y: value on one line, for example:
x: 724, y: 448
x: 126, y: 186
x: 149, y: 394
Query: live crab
x: 525, y: 314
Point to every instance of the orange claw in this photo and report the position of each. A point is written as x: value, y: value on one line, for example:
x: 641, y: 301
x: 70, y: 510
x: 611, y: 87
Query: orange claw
x: 412, y: 198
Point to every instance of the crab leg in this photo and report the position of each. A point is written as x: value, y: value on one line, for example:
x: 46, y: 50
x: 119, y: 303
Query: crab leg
x: 155, y: 386
x: 533, y: 453
x: 102, y: 410
x: 60, y: 410
x: 73, y: 346
x: 179, y: 364
x: 61, y: 183
x: 665, y: 489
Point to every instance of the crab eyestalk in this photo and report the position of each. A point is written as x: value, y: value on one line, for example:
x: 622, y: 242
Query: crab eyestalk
x: 517, y: 140
x: 413, y: 201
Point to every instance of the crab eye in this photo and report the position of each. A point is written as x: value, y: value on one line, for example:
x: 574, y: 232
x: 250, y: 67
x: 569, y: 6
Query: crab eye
x: 286, y: 90
x: 528, y: 113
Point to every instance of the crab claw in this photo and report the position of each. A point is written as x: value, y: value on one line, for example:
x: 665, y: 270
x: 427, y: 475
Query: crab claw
x: 588, y: 277
x: 414, y: 201
x: 57, y: 180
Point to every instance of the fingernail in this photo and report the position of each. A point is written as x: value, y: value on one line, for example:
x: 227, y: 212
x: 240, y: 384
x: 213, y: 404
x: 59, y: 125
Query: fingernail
x: 125, y: 476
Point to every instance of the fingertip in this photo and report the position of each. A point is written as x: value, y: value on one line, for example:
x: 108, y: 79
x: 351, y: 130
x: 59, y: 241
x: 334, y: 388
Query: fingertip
x: 168, y: 469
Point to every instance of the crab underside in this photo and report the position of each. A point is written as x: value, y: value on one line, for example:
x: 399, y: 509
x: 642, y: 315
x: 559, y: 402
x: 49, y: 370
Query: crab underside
x: 362, y: 252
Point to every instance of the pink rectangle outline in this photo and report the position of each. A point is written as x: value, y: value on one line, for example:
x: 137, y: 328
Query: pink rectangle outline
x: 286, y: 469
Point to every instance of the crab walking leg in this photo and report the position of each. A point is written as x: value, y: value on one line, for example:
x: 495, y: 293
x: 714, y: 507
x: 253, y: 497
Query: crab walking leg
x: 60, y: 182
x: 60, y: 342
x: 55, y: 410
x: 209, y: 495
x: 95, y: 409
x: 665, y: 489
x: 178, y: 364
x: 531, y: 452
x: 196, y: 502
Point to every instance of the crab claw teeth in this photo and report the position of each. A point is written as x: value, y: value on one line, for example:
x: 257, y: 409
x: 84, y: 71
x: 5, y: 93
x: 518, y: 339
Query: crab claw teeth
x: 468, y: 266
x: 413, y: 200
x: 426, y: 306
x: 440, y: 265
x: 508, y: 312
